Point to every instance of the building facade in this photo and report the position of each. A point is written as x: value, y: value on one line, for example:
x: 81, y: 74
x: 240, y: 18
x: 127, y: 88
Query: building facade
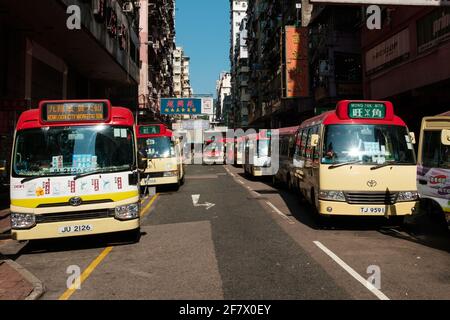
x: 181, y: 74
x: 239, y: 63
x: 407, y: 62
x: 223, y: 90
x: 335, y: 55
x: 239, y: 79
x: 157, y: 25
x: 271, y: 106
x: 42, y: 58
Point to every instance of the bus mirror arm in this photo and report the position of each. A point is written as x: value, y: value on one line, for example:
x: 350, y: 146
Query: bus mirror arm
x: 412, y: 135
x: 142, y: 161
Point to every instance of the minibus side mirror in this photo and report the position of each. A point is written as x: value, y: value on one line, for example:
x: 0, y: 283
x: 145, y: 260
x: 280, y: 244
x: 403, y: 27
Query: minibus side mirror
x: 412, y: 135
x: 142, y: 161
x: 314, y: 140
x: 445, y: 137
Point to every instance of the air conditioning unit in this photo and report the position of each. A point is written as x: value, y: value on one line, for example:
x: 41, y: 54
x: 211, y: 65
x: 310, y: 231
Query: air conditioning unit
x: 128, y: 7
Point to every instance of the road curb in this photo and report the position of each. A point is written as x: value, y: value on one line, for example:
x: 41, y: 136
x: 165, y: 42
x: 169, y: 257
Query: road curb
x: 38, y: 285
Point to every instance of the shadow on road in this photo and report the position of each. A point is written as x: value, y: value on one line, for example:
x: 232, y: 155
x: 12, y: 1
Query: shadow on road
x: 81, y: 243
x: 422, y: 228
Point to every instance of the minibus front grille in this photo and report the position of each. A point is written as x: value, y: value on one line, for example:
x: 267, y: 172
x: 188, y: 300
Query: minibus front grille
x: 63, y: 204
x: 386, y: 198
x: 74, y: 216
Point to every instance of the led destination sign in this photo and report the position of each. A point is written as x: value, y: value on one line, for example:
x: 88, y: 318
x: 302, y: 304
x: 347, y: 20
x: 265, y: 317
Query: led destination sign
x: 75, y: 111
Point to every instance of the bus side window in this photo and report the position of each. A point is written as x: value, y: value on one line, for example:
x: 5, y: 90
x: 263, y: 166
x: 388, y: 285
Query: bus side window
x: 291, y: 146
x: 316, y: 150
x: 298, y: 145
x: 305, y: 143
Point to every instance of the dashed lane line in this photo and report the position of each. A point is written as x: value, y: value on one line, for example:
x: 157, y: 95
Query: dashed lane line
x: 278, y: 211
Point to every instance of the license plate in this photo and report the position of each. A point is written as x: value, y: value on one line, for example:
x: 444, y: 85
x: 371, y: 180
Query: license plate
x: 366, y: 210
x: 76, y: 229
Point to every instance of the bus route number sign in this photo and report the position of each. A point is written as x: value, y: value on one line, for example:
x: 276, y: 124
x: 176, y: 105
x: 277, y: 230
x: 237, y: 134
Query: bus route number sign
x: 363, y: 110
x: 74, y: 112
x: 150, y: 130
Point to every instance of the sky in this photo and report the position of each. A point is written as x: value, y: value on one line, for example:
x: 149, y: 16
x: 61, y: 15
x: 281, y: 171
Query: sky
x: 203, y: 30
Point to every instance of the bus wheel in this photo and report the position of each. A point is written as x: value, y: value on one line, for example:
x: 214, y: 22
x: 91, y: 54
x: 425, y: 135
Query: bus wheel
x: 182, y: 180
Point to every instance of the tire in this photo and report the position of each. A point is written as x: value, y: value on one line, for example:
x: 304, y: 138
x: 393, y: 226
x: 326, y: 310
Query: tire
x: 182, y: 180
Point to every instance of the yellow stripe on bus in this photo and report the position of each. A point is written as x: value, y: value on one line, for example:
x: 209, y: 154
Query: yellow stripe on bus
x: 34, y: 203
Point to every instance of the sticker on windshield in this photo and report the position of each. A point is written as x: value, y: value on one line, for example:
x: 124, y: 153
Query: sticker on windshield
x: 123, y: 133
x: 58, y: 162
x: 117, y: 133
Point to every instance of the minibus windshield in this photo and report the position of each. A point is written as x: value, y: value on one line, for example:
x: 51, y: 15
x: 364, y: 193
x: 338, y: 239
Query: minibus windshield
x: 157, y: 148
x: 367, y: 145
x: 57, y: 151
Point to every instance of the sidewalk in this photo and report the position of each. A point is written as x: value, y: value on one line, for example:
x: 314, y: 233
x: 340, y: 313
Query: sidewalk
x: 4, y: 222
x: 16, y: 283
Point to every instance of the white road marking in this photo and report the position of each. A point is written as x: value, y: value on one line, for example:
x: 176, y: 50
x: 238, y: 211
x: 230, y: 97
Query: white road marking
x: 196, y: 199
x: 380, y: 295
x: 229, y: 172
x: 280, y: 213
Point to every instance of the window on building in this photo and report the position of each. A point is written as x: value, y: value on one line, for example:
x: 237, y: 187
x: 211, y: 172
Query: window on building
x: 348, y: 67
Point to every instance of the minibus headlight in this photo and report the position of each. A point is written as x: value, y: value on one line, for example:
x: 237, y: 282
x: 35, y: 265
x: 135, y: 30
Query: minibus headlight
x: 332, y: 196
x: 128, y: 212
x: 22, y: 220
x: 407, y: 196
x: 170, y: 174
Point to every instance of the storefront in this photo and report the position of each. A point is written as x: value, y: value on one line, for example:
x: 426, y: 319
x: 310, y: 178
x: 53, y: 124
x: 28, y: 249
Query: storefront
x: 410, y: 64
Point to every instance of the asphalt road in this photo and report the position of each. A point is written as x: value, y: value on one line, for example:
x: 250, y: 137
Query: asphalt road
x: 256, y: 242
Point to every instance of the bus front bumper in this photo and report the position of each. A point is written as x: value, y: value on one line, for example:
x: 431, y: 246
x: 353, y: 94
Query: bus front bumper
x: 75, y: 228
x: 331, y: 208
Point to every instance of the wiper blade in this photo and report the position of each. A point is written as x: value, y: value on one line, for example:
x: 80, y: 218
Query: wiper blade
x: 386, y: 164
x: 87, y: 174
x: 30, y: 179
x: 338, y: 165
x: 104, y: 170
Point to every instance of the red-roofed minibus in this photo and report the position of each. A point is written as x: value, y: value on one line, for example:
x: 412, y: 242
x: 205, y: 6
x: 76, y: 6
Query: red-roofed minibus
x: 285, y: 174
x: 163, y: 153
x: 358, y: 160
x: 74, y: 171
